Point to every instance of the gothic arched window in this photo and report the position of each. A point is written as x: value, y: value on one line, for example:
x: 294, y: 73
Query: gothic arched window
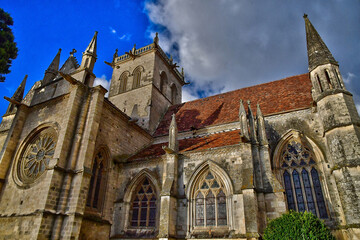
x: 210, y: 202
x: 123, y: 82
x: 163, y: 82
x: 137, y: 78
x: 173, y: 93
x: 143, y: 205
x: 301, y: 180
x: 97, y: 182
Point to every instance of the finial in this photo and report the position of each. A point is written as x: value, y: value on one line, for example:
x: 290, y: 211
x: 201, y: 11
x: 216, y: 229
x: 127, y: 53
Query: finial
x: 115, y: 55
x: 134, y: 49
x: 171, y: 59
x: 72, y: 52
x: 305, y: 15
x: 182, y: 72
x: 248, y: 102
x: 156, y: 38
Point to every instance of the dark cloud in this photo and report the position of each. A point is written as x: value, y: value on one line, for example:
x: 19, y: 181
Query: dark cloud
x: 226, y: 45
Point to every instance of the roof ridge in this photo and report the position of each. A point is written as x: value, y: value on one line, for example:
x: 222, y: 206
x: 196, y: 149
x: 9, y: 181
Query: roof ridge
x: 282, y: 79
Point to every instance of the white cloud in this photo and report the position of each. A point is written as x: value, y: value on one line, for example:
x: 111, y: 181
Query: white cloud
x: 103, y: 82
x: 187, y: 96
x: 349, y: 77
x: 125, y: 37
x: 112, y: 30
x: 226, y: 45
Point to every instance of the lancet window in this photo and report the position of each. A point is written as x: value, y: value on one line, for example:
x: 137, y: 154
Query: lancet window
x: 97, y: 182
x: 123, y: 82
x: 210, y: 202
x: 143, y: 205
x: 137, y: 77
x: 301, y: 180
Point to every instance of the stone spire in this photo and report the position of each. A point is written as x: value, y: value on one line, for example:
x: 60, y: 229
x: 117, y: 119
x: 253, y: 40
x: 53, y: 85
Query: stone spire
x: 91, y: 49
x: 89, y: 56
x: 244, y: 131
x: 53, y: 68
x: 251, y: 124
x: 18, y: 95
x: 173, y: 132
x: 318, y: 53
x: 261, y: 127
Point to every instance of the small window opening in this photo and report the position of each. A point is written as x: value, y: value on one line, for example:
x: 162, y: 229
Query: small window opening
x: 328, y: 79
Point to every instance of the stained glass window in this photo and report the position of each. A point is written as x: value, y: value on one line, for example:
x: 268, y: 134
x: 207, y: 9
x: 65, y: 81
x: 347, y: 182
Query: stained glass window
x: 144, y: 206
x: 301, y: 180
x: 210, y: 202
x: 97, y: 182
x: 199, y: 201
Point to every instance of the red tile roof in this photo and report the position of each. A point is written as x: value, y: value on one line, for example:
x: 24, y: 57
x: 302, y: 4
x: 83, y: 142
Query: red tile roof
x: 274, y: 97
x: 192, y: 144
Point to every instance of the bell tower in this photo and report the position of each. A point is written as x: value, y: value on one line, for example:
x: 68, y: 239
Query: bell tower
x: 144, y: 83
x: 341, y: 122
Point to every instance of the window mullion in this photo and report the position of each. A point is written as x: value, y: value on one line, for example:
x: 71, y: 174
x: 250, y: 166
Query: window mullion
x: 94, y: 186
x: 303, y: 190
x: 204, y: 210
x: 216, y: 211
x: 293, y: 189
x: 314, y: 194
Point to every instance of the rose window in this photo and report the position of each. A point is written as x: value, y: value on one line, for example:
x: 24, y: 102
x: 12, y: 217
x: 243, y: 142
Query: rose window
x: 36, y: 157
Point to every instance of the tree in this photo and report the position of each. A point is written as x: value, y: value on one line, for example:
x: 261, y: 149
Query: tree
x: 297, y: 225
x: 8, y: 49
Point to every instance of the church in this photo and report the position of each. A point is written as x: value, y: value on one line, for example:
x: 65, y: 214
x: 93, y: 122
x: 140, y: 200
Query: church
x: 140, y: 164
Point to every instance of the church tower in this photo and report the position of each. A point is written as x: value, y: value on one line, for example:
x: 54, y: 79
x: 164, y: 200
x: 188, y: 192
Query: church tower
x: 341, y: 124
x: 144, y: 83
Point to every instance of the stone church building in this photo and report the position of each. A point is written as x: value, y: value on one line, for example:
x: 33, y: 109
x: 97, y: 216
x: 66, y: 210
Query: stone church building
x: 139, y: 164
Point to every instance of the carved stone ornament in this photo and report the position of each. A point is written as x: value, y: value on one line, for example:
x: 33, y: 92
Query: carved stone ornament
x: 35, y: 157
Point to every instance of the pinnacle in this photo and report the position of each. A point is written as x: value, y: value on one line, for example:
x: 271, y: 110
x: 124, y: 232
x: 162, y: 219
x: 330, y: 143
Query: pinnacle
x: 318, y: 53
x: 91, y: 49
x: 19, y: 93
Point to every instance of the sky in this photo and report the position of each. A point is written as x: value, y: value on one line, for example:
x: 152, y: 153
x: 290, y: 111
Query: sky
x: 223, y: 45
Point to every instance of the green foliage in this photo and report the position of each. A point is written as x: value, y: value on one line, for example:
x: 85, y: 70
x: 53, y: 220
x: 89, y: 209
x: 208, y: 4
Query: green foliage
x: 295, y: 225
x: 8, y: 49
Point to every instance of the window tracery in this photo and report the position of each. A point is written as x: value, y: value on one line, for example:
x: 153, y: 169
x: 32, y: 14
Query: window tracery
x: 36, y: 156
x: 210, y: 202
x: 301, y: 180
x: 143, y: 205
x: 97, y: 182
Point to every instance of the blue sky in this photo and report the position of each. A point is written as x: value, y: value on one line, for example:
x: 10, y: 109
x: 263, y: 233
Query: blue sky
x: 223, y: 45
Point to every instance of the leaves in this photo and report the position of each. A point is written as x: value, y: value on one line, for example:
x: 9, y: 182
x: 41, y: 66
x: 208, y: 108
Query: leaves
x: 295, y: 225
x: 8, y: 49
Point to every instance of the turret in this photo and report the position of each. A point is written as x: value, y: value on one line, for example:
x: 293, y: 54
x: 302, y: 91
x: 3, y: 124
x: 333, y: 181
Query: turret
x: 324, y: 69
x: 338, y: 115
